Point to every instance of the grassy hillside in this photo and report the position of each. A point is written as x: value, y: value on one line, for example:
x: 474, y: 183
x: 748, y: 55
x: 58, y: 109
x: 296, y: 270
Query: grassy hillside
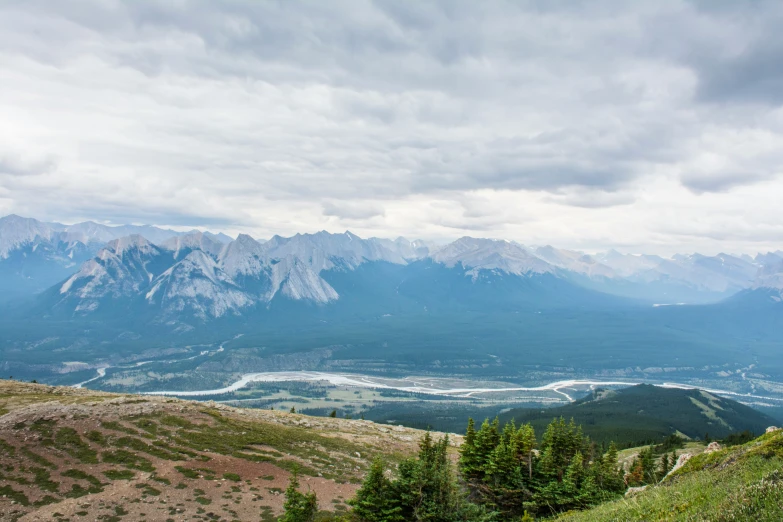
x: 159, y: 458
x: 649, y: 413
x: 739, y: 483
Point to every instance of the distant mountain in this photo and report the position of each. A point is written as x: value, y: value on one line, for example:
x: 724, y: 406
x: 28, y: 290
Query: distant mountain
x: 184, y: 244
x: 35, y: 255
x: 645, y: 412
x: 477, y: 255
x: 767, y: 287
x: 191, y: 277
x: 575, y: 262
x: 236, y: 277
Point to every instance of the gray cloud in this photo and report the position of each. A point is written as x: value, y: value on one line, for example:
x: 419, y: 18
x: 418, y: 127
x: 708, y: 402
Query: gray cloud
x: 351, y: 210
x: 235, y: 113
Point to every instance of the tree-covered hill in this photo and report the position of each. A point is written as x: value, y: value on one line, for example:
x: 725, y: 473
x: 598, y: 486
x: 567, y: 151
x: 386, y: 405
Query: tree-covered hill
x: 650, y: 413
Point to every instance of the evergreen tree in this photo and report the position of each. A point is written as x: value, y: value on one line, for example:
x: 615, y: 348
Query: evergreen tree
x: 333, y: 414
x: 609, y: 477
x: 427, y: 488
x: 525, y: 439
x: 376, y: 500
x: 635, y: 476
x: 299, y: 507
x: 293, y: 410
x: 468, y: 461
x: 647, y: 458
x: 559, y: 444
x: 665, y: 466
x: 487, y: 440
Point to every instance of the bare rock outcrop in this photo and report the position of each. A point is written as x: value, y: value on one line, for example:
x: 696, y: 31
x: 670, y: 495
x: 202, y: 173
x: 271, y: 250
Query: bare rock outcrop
x: 712, y: 447
x: 633, y: 491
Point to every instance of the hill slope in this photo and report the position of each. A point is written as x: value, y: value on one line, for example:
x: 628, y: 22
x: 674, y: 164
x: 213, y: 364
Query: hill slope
x: 739, y: 483
x: 645, y: 412
x: 166, y: 458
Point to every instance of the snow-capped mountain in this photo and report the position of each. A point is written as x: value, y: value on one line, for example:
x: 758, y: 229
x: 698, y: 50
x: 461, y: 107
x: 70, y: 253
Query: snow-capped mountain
x: 573, y: 261
x: 196, y: 240
x: 35, y: 255
x: 407, y: 250
x: 192, y: 274
x: 297, y: 280
x: 196, y: 284
x: 476, y: 255
x: 324, y: 251
x: 628, y: 265
x: 124, y: 268
x: 197, y: 275
x: 770, y: 258
x: 770, y: 276
x: 16, y: 232
x: 689, y: 278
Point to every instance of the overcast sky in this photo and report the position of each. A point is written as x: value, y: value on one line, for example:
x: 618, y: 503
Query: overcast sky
x: 647, y: 126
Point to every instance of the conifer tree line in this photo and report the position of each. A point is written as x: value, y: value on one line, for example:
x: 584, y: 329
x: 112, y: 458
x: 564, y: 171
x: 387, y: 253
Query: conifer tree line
x: 504, y: 474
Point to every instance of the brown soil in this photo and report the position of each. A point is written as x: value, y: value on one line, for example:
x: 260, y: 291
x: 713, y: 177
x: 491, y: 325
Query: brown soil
x: 334, y: 454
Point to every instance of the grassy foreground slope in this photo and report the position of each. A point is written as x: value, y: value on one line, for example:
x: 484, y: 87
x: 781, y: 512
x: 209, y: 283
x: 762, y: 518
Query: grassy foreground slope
x: 738, y: 483
x: 78, y: 454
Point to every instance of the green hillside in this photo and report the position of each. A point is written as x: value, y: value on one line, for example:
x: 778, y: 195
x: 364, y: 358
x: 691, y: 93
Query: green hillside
x: 645, y: 413
x: 740, y: 483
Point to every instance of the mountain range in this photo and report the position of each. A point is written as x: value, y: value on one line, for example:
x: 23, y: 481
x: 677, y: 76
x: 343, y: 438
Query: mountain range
x: 88, y: 268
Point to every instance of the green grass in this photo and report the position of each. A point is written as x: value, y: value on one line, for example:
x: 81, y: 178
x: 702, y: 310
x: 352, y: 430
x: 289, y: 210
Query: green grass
x: 119, y: 474
x: 41, y: 461
x: 81, y: 475
x: 116, y: 426
x: 238, y: 438
x: 16, y: 496
x: 43, y: 480
x: 138, y: 445
x: 69, y: 441
x: 6, y: 449
x: 96, y: 437
x: 148, y: 490
x: 45, y: 501
x: 741, y: 483
x: 162, y: 480
x: 187, y: 472
x: 232, y: 476
x: 128, y: 459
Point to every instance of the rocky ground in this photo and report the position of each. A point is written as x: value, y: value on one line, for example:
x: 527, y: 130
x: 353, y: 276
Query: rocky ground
x: 76, y: 454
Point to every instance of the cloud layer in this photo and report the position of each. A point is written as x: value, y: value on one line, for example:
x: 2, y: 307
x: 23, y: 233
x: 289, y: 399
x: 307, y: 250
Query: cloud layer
x: 648, y: 125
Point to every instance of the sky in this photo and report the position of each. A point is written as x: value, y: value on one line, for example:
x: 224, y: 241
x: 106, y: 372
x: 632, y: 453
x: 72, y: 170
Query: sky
x: 644, y: 126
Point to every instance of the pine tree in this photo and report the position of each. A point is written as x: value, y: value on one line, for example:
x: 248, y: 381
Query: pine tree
x: 468, y: 462
x: 665, y: 466
x: 559, y: 444
x: 610, y: 475
x: 574, y: 474
x: 333, y: 414
x: 299, y: 507
x: 487, y: 440
x: 293, y: 410
x: 635, y: 475
x: 376, y: 501
x: 427, y: 488
x: 647, y: 458
x: 525, y: 438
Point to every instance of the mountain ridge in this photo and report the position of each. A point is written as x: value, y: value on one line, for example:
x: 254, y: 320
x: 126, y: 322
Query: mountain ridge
x: 251, y: 274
